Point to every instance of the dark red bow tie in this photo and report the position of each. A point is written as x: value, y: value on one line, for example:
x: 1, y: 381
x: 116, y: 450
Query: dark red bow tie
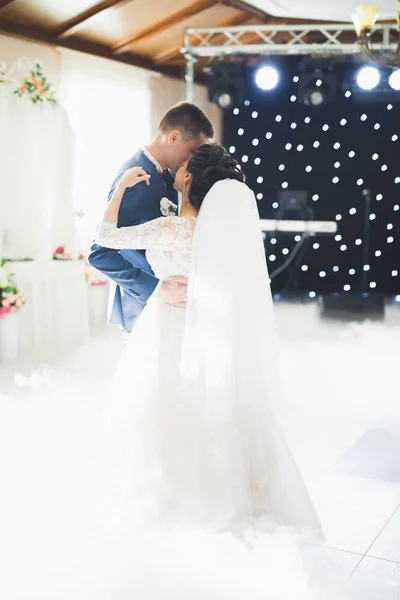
x: 163, y: 173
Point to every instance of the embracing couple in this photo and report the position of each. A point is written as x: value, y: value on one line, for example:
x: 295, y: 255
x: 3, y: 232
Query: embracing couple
x: 193, y: 433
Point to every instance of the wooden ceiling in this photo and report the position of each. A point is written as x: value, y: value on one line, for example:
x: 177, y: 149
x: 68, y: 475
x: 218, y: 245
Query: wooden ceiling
x: 145, y: 33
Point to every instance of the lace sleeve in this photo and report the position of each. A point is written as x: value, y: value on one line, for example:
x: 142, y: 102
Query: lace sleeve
x: 163, y: 233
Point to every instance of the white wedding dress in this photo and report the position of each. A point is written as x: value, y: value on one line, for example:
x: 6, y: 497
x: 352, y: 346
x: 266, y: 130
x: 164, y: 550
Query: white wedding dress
x: 196, y: 464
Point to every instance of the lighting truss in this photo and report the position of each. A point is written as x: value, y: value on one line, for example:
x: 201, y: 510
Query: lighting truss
x: 267, y: 40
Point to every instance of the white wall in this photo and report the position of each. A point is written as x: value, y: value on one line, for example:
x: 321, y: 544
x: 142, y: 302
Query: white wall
x: 12, y: 49
x: 109, y: 106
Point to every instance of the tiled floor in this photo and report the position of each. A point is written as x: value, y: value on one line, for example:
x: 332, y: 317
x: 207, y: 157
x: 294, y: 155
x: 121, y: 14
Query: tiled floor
x: 341, y: 416
x: 343, y: 420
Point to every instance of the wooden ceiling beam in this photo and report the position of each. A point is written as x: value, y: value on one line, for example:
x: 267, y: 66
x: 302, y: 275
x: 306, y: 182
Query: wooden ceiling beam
x: 80, y: 45
x: 175, y: 52
x: 164, y: 24
x: 70, y: 26
x: 4, y: 3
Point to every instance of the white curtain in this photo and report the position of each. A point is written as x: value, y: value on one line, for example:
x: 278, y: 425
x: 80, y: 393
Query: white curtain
x: 36, y: 208
x: 109, y: 106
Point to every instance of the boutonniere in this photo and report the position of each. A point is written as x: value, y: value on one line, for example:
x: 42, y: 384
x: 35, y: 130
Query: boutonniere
x: 167, y: 207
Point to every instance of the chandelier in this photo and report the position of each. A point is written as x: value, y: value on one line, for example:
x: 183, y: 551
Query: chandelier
x: 364, y: 19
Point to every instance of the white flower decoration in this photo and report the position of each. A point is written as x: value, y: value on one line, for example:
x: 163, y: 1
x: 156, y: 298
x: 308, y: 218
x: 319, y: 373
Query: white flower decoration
x: 167, y: 207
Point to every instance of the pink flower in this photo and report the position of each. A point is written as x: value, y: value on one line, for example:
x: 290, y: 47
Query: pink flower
x: 4, y: 311
x: 98, y: 282
x: 59, y: 250
x: 5, y: 302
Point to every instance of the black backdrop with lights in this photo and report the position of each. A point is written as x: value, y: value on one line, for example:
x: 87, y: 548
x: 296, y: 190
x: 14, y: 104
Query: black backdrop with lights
x: 333, y: 152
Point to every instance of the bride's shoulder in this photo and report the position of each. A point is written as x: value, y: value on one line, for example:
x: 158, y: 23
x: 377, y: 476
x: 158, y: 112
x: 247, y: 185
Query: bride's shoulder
x: 179, y: 226
x: 176, y: 221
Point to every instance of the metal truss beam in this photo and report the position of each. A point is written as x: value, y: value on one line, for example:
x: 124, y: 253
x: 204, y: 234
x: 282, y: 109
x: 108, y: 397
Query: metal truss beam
x: 283, y: 40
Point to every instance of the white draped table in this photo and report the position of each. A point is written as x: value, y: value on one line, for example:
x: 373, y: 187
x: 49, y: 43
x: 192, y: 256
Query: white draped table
x: 56, y: 313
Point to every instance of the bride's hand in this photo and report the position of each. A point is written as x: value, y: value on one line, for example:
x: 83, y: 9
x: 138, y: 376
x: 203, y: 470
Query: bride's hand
x: 130, y: 178
x: 133, y: 176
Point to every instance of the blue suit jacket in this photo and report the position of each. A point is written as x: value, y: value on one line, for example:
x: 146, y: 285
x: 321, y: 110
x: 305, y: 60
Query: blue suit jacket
x: 132, y: 277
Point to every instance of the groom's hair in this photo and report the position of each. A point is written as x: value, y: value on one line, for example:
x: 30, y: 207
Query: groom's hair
x: 189, y: 119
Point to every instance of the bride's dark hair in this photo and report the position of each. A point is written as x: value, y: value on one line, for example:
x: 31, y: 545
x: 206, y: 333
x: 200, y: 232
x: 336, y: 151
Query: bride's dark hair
x: 209, y: 164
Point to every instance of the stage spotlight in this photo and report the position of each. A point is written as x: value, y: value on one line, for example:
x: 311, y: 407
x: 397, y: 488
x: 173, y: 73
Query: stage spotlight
x: 317, y: 83
x: 368, y: 78
x: 394, y: 80
x: 267, y: 78
x: 370, y: 85
x: 314, y: 97
x: 226, y: 88
x: 224, y: 99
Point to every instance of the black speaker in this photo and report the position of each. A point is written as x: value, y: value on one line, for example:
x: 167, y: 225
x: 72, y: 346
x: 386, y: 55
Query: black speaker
x: 353, y: 307
x: 293, y: 205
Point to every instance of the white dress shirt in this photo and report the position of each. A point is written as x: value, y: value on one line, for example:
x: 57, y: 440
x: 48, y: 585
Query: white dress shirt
x: 152, y: 159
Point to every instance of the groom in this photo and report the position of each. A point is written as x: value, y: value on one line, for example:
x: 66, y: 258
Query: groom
x: 183, y: 128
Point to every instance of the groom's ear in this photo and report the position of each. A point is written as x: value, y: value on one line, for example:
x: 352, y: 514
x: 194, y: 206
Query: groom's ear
x: 173, y: 136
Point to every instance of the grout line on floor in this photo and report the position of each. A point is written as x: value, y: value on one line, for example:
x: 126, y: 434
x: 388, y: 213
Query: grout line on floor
x: 372, y: 543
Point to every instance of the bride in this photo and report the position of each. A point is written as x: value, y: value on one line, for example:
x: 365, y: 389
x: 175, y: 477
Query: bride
x: 191, y: 491
x: 191, y: 430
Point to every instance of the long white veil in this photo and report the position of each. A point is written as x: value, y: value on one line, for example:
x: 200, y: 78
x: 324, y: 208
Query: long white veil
x: 229, y: 364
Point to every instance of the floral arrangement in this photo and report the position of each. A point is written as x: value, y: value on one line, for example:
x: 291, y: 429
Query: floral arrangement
x: 36, y: 87
x: 94, y: 277
x: 11, y: 299
x: 167, y: 207
x: 60, y: 253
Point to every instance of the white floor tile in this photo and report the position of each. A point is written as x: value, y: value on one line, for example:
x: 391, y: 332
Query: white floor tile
x: 328, y: 567
x: 388, y: 543
x: 374, y: 579
x: 350, y: 529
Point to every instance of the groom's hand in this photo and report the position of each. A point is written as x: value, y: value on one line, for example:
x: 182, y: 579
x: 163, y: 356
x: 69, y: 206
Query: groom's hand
x: 173, y: 291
